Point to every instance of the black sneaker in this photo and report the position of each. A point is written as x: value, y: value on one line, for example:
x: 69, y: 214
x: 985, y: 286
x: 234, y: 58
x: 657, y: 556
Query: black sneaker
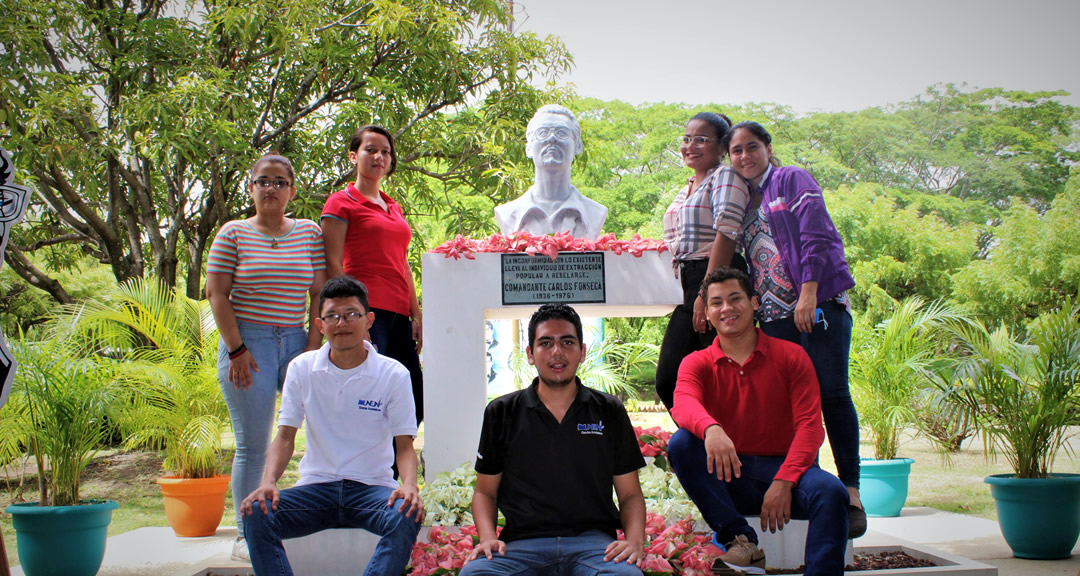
x: 856, y: 522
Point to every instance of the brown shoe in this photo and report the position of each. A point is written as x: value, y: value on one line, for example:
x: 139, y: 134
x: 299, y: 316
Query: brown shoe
x: 742, y: 557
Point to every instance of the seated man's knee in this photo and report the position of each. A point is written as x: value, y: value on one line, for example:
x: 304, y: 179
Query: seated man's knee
x: 684, y: 445
x: 398, y: 523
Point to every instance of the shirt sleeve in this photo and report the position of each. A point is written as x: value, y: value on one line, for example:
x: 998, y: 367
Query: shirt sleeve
x: 627, y: 453
x: 292, y: 396
x: 805, y: 415
x: 688, y: 408
x: 490, y: 453
x: 401, y: 411
x: 318, y: 249
x: 817, y: 233
x: 730, y: 196
x: 335, y: 208
x: 223, y: 252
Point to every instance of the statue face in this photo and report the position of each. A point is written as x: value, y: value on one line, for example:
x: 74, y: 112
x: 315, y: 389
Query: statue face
x: 550, y: 141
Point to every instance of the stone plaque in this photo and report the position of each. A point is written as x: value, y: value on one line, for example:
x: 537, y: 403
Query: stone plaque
x: 573, y: 277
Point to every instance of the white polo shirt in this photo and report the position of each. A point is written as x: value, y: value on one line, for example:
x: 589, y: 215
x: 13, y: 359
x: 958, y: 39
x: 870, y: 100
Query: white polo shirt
x: 352, y: 416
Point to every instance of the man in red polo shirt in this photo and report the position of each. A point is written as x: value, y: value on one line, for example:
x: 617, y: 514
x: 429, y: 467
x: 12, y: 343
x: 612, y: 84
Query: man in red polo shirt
x: 749, y: 414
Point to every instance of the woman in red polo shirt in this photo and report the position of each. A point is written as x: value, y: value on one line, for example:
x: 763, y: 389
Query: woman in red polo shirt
x: 367, y: 237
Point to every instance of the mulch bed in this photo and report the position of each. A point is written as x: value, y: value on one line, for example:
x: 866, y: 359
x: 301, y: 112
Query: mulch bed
x: 888, y: 560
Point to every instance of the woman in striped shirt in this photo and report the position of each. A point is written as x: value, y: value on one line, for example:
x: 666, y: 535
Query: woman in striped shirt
x: 700, y: 228
x: 260, y: 273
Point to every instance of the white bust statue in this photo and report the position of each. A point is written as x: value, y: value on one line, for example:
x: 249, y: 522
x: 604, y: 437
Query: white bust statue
x: 552, y: 204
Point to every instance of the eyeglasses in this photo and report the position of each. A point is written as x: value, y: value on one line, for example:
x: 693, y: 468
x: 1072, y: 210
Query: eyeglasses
x: 695, y: 140
x: 348, y: 318
x: 543, y: 133
x: 275, y: 184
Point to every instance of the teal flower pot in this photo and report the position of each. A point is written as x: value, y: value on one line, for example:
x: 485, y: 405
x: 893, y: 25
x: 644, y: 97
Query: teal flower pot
x: 1039, y: 517
x: 61, y: 540
x: 883, y: 485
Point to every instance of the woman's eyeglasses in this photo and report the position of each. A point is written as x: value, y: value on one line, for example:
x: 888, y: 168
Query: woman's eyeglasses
x: 695, y: 140
x: 275, y: 184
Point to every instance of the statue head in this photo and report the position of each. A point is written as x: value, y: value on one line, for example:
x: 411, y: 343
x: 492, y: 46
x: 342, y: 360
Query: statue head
x: 553, y: 137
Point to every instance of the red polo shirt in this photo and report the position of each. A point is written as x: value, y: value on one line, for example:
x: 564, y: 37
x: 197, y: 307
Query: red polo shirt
x: 376, y: 247
x: 770, y: 406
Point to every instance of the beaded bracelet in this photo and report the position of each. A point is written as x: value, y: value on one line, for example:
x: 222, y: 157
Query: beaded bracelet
x: 234, y: 354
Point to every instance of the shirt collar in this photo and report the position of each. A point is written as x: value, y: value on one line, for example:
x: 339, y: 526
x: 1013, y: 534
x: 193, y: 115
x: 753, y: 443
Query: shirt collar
x: 765, y: 177
x: 574, y: 203
x: 762, y: 346
x: 322, y: 359
x: 708, y: 174
x: 532, y: 394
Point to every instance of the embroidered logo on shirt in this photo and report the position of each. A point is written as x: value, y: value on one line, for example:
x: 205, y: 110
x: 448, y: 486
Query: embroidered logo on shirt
x: 370, y: 405
x: 597, y: 428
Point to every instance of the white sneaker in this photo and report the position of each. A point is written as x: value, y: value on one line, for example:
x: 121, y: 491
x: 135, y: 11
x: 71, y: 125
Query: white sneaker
x: 240, y: 551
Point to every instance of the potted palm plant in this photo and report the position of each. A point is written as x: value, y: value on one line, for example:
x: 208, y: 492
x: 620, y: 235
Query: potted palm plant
x: 171, y: 400
x: 56, y: 412
x: 1024, y: 398
x: 890, y: 367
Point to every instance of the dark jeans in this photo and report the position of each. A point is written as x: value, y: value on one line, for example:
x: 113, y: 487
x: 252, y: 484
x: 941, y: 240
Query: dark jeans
x: 828, y: 347
x: 581, y: 555
x: 392, y: 336
x: 680, y: 338
x: 818, y: 497
x: 308, y: 509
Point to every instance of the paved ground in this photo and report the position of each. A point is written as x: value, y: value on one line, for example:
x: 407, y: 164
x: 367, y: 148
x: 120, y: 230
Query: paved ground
x: 157, y: 552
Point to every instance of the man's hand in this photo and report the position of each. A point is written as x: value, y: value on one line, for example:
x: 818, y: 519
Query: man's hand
x: 720, y: 451
x: 631, y: 552
x: 411, y: 504
x: 266, y: 494
x: 776, y: 508
x: 487, y: 548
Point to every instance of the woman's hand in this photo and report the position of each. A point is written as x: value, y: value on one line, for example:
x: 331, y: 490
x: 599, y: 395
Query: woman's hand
x: 806, y: 307
x: 701, y: 320
x: 418, y: 332
x: 240, y: 369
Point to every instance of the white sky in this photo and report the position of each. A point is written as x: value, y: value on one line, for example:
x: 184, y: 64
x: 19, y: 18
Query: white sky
x: 831, y: 55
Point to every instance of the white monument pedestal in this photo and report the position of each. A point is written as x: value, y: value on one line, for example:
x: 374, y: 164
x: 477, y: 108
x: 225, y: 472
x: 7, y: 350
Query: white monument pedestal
x: 460, y: 294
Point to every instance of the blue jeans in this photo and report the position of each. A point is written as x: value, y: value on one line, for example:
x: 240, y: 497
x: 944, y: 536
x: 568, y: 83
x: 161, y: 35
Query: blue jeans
x: 829, y: 349
x: 392, y: 336
x: 308, y: 509
x: 252, y: 410
x: 581, y: 555
x: 818, y: 497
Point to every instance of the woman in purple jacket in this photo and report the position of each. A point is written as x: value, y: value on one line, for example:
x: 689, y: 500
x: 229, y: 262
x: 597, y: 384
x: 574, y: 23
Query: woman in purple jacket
x: 797, y: 266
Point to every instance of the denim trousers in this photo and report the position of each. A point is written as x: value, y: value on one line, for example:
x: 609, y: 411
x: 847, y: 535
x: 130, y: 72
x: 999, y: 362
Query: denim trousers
x: 829, y: 346
x: 391, y: 334
x: 818, y: 497
x: 252, y: 410
x: 304, y: 510
x: 581, y: 555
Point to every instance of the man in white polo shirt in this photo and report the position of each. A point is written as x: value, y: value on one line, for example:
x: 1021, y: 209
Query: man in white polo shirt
x: 358, y: 405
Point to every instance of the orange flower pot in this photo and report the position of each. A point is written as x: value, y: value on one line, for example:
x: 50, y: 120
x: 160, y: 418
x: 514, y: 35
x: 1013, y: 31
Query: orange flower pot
x: 194, y: 506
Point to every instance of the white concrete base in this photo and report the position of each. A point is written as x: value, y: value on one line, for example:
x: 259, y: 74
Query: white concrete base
x: 337, y: 552
x: 785, y: 548
x: 460, y: 294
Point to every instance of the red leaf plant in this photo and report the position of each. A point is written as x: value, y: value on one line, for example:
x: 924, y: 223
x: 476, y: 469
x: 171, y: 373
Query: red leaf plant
x: 548, y: 245
x: 674, y: 549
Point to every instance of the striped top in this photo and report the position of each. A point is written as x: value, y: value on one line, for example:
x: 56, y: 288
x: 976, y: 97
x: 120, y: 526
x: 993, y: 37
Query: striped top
x: 269, y: 284
x: 694, y: 218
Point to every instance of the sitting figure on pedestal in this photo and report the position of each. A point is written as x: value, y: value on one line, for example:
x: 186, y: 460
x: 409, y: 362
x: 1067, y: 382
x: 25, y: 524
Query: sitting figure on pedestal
x: 551, y: 204
x: 749, y: 414
x: 549, y: 456
x: 357, y: 403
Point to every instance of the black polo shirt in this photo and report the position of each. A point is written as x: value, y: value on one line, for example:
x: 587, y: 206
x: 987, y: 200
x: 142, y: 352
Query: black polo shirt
x: 557, y: 478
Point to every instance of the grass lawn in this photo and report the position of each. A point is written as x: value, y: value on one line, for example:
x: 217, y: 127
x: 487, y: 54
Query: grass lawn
x: 128, y: 477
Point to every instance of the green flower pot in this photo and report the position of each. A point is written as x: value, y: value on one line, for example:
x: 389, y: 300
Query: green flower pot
x: 61, y: 540
x: 883, y: 485
x: 1039, y: 517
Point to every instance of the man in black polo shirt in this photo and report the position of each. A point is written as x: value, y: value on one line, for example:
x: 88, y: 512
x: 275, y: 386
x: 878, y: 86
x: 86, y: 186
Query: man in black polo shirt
x: 549, y: 456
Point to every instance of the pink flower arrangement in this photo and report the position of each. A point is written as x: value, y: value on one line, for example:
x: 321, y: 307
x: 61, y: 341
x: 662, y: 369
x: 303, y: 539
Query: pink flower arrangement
x: 653, y: 442
x: 674, y: 549
x: 549, y: 245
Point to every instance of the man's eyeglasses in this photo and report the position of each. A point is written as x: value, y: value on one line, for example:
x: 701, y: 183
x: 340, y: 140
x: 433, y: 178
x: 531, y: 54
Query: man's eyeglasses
x: 275, y: 184
x: 543, y: 133
x: 348, y: 318
x: 695, y: 140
